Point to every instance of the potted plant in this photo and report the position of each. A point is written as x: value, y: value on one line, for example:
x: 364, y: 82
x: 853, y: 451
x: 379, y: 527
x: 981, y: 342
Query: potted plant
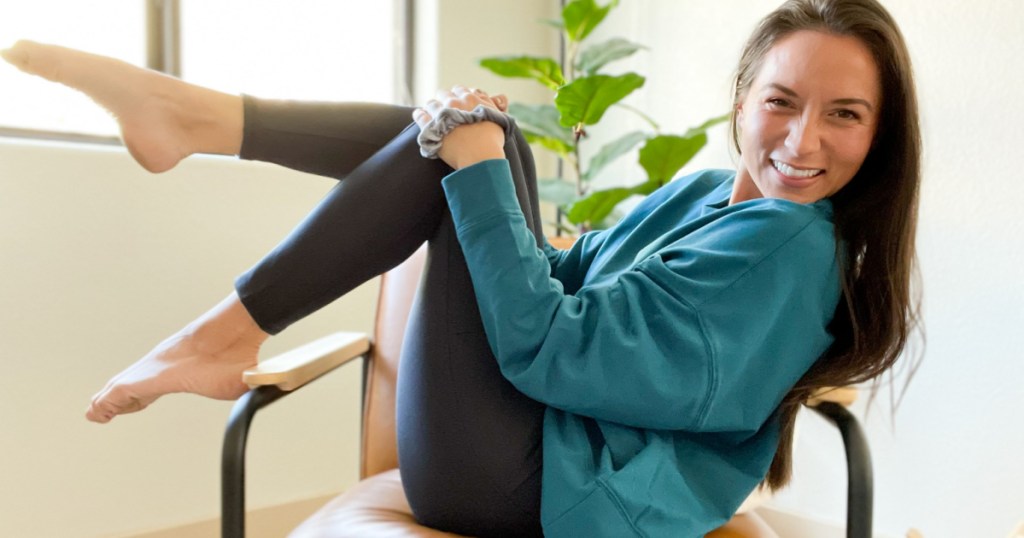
x: 581, y: 94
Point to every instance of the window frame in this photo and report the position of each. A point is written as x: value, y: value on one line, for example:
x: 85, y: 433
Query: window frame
x: 163, y: 53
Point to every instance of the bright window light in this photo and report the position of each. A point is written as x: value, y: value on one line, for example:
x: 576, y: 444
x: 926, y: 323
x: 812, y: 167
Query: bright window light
x: 110, y: 28
x: 328, y: 50
x: 331, y: 50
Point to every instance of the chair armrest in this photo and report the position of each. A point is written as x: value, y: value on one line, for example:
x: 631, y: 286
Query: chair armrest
x: 844, y: 396
x: 293, y: 369
x: 859, y: 474
x: 271, y: 380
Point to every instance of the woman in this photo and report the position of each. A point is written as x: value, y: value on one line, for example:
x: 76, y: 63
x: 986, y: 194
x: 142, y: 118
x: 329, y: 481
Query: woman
x: 660, y: 363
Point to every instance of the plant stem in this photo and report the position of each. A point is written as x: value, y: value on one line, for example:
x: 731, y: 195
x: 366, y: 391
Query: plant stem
x: 574, y: 48
x: 645, y: 117
x: 578, y: 169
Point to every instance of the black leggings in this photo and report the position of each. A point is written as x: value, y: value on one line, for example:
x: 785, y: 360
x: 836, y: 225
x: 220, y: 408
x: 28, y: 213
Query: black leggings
x: 469, y: 443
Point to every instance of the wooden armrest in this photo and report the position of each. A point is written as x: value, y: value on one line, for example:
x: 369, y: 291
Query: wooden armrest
x: 844, y: 396
x: 301, y: 365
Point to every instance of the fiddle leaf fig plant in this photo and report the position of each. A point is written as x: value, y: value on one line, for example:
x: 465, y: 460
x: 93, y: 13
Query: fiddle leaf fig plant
x: 582, y: 96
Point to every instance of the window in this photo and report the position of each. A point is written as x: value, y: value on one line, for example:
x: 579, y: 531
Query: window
x: 108, y: 28
x: 312, y: 49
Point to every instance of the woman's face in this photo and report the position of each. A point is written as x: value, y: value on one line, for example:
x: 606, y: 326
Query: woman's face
x: 808, y: 119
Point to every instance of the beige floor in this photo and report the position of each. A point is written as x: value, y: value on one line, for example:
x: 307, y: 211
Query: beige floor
x: 272, y: 522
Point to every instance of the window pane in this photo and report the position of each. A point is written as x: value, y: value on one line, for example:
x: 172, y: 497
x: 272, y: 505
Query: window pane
x: 334, y: 50
x: 108, y: 28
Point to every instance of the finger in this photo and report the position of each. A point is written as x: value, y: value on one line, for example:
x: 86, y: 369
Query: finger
x: 444, y: 96
x: 421, y: 117
x: 462, y: 98
x: 500, y: 101
x: 434, y: 107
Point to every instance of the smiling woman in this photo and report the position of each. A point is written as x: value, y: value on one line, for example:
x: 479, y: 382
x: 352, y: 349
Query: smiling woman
x: 648, y: 376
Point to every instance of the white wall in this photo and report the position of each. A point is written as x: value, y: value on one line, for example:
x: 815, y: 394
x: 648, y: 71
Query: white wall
x: 101, y: 261
x: 951, y: 465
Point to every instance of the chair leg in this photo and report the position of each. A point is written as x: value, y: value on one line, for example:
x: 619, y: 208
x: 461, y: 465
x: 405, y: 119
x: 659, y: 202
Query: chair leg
x: 860, y: 489
x: 233, y: 458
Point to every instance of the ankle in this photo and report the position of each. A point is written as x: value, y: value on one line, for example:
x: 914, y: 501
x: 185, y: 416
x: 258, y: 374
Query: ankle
x: 213, y: 121
x: 226, y: 324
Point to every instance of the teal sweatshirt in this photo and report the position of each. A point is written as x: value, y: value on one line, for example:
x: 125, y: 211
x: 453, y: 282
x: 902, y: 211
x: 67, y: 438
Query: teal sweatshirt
x: 662, y: 346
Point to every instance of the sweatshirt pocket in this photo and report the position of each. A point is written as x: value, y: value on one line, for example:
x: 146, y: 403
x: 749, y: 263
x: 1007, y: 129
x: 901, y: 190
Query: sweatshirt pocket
x: 598, y: 515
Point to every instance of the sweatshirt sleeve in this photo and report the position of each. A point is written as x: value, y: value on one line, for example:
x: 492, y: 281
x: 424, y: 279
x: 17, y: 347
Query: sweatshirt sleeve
x: 569, y: 266
x: 638, y: 350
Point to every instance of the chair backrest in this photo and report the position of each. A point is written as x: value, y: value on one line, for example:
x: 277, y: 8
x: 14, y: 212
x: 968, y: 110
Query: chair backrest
x: 397, y: 290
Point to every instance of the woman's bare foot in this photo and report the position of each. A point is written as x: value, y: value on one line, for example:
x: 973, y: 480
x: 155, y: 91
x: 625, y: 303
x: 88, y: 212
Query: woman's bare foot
x: 207, y: 358
x: 162, y: 119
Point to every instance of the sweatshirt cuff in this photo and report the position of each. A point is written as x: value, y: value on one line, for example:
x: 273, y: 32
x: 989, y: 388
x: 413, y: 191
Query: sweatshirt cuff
x: 480, y: 191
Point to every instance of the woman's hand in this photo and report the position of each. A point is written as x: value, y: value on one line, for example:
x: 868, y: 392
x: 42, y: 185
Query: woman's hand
x: 469, y: 144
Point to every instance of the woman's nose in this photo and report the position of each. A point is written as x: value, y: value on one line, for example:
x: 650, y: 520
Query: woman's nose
x: 804, y: 136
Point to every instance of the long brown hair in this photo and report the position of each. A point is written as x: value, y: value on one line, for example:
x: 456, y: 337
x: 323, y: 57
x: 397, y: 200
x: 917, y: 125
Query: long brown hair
x: 875, y: 213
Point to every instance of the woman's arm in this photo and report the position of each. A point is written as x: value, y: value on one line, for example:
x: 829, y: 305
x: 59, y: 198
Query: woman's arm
x: 734, y: 313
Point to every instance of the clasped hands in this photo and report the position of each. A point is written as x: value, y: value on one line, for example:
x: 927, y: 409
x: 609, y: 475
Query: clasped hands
x: 471, y: 143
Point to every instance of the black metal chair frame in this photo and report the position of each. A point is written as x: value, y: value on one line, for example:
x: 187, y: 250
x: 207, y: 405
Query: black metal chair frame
x: 859, y: 495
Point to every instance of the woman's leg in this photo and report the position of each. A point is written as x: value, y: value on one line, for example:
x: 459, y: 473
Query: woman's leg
x: 469, y: 443
x: 162, y: 119
x: 327, y: 139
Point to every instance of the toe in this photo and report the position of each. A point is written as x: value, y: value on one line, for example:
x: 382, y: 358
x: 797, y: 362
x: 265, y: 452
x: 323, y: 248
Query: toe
x: 16, y: 54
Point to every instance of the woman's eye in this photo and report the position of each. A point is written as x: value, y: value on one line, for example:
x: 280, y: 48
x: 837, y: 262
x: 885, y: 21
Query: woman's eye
x: 847, y: 115
x: 777, y: 102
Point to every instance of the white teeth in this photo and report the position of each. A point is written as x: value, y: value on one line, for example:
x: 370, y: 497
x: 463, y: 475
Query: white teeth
x: 795, y: 172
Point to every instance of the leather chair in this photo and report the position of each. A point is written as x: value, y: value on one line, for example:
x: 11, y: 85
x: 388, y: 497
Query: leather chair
x: 376, y: 506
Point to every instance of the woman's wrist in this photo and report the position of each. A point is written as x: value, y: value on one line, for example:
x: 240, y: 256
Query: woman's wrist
x: 465, y: 161
x: 469, y: 144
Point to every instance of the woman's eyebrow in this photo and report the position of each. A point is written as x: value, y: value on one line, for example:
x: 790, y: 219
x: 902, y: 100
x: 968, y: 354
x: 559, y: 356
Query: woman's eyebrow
x: 855, y: 101
x: 788, y: 91
x: 844, y: 101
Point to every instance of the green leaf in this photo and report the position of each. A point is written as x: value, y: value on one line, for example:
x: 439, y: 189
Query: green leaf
x: 595, y: 57
x: 582, y: 16
x: 702, y: 128
x: 557, y: 191
x: 552, y: 144
x: 611, y: 151
x: 544, y: 70
x: 586, y: 99
x: 663, y: 156
x: 599, y: 204
x: 542, y: 120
